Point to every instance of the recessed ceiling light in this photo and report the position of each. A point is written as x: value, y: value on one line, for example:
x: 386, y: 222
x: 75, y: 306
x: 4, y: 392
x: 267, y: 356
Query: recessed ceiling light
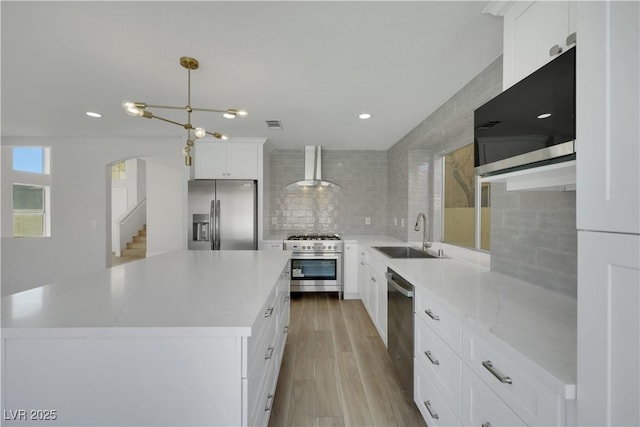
x: 544, y: 116
x: 93, y: 114
x: 364, y: 116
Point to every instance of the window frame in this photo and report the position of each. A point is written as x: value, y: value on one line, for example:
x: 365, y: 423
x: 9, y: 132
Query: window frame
x: 32, y: 179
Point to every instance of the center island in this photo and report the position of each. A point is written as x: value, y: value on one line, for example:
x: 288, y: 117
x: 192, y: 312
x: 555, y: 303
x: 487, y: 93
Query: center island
x: 187, y: 338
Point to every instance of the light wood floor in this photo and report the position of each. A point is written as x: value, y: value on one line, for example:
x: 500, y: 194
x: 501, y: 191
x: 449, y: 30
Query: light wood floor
x: 336, y: 371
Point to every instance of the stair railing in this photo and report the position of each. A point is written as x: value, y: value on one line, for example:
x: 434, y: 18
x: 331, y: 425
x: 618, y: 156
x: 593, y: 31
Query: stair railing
x: 128, y: 225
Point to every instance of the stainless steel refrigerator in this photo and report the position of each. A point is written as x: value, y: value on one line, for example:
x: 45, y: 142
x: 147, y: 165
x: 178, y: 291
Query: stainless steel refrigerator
x: 222, y: 215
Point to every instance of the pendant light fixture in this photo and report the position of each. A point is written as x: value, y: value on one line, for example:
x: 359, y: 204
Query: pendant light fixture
x: 141, y: 109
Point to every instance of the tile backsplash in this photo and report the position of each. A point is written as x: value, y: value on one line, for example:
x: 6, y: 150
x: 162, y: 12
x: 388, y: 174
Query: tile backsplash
x: 534, y: 237
x: 363, y: 177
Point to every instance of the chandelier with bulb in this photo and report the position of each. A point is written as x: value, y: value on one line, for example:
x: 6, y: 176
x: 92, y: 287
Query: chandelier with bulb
x: 141, y: 109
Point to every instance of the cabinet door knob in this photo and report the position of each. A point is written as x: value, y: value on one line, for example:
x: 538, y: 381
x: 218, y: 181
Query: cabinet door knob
x: 487, y: 424
x: 571, y: 39
x: 555, y: 50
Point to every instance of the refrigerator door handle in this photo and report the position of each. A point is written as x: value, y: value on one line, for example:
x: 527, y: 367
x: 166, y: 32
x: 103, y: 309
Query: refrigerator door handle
x: 217, y: 226
x: 212, y: 222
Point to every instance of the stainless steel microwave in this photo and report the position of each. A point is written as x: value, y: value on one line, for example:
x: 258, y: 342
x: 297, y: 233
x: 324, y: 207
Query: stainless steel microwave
x: 531, y: 123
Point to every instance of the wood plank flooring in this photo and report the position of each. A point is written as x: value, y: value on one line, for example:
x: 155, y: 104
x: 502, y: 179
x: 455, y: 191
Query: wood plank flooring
x: 336, y: 371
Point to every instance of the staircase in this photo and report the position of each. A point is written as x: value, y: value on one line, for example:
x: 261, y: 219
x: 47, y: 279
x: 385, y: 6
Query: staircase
x: 137, y: 248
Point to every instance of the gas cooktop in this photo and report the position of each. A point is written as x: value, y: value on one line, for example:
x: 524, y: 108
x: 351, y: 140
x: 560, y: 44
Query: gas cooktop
x: 314, y: 237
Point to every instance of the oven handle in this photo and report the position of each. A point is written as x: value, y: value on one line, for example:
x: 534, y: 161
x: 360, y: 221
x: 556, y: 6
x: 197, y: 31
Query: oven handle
x: 316, y: 255
x: 404, y: 291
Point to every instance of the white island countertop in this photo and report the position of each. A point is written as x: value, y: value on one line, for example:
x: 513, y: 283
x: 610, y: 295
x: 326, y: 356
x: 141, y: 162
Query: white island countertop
x: 189, y: 293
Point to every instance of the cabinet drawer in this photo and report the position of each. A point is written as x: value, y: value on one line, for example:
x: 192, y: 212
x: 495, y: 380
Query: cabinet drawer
x: 482, y: 407
x: 432, y: 406
x: 444, y: 366
x: 441, y: 319
x: 261, y: 407
x: 515, y: 380
x: 263, y: 335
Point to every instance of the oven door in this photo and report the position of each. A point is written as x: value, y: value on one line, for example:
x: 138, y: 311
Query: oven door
x: 316, y: 272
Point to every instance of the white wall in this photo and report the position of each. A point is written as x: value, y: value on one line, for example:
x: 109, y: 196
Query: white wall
x: 166, y: 205
x: 80, y: 200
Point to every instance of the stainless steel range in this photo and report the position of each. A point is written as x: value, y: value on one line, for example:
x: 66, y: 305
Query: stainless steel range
x: 316, y: 262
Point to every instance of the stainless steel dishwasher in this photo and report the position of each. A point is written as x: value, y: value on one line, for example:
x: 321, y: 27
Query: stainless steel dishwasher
x: 400, y: 327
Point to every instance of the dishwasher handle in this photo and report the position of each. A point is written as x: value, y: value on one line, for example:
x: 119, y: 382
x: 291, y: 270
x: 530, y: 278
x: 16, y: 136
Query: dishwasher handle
x: 398, y: 287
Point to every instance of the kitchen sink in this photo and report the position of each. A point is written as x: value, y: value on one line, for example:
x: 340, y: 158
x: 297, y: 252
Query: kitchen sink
x: 403, y: 252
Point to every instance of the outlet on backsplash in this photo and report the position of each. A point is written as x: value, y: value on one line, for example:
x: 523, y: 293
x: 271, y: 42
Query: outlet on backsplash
x: 367, y: 220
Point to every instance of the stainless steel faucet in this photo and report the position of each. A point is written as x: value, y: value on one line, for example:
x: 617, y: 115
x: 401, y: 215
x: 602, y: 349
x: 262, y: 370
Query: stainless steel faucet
x: 425, y: 244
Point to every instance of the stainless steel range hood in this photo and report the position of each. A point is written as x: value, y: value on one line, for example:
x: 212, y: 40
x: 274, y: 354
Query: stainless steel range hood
x: 313, y: 170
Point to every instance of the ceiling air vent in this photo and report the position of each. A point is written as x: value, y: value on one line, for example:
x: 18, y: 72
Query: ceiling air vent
x: 274, y: 125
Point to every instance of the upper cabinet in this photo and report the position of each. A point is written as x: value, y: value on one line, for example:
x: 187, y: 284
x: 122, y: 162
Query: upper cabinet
x: 607, y: 116
x: 535, y: 32
x: 225, y: 160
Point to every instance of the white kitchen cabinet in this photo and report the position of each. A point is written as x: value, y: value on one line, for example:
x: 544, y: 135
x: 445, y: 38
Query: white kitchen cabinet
x: 432, y: 405
x: 531, y: 393
x: 377, y: 268
x: 363, y: 276
x: 441, y: 362
x: 608, y: 329
x: 607, y: 115
x: 146, y: 372
x: 350, y: 271
x: 435, y: 355
x: 531, y: 30
x: 225, y: 160
x: 482, y: 407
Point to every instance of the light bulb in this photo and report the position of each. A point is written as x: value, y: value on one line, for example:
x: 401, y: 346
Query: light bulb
x: 243, y: 113
x: 199, y: 132
x: 229, y: 115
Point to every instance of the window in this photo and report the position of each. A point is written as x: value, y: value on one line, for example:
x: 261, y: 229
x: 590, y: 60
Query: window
x: 119, y: 171
x: 29, y: 210
x: 31, y: 159
x: 466, y: 202
x: 31, y: 184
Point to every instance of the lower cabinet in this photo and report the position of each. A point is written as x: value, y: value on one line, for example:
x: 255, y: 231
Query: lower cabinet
x: 265, y: 350
x: 373, y: 288
x: 363, y: 276
x: 482, y: 407
x: 350, y: 271
x: 432, y: 405
x: 215, y: 376
x: 465, y: 378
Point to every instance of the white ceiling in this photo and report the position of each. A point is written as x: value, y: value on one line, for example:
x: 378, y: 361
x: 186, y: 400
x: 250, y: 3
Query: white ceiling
x: 312, y: 65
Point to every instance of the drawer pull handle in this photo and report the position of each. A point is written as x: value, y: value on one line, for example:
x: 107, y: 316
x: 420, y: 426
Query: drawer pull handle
x: 487, y: 424
x: 434, y: 415
x: 267, y: 408
x: 432, y: 315
x: 430, y: 357
x: 269, y: 312
x: 286, y: 298
x: 286, y: 330
x: 269, y: 353
x: 502, y: 378
x: 362, y: 263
